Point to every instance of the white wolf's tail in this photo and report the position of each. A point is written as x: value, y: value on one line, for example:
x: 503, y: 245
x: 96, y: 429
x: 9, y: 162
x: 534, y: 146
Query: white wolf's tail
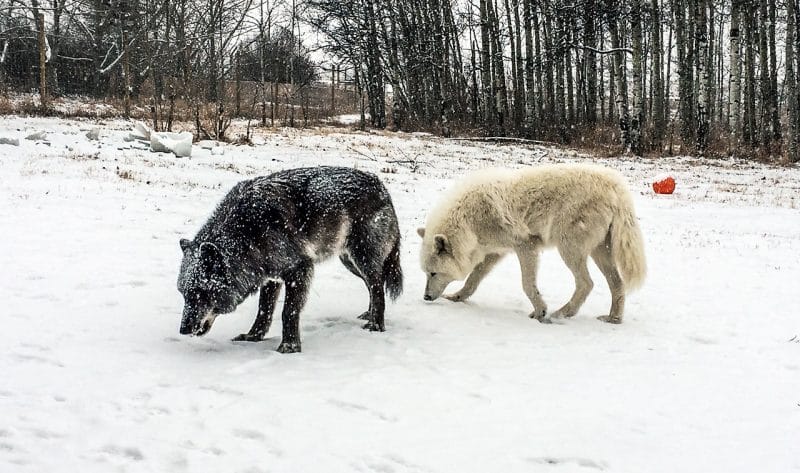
x: 627, y: 245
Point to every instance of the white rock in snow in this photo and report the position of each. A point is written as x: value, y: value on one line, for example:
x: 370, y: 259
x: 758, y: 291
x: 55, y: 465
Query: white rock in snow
x: 39, y: 135
x: 93, y: 134
x: 9, y: 141
x: 165, y: 142
x: 218, y: 150
x: 140, y: 132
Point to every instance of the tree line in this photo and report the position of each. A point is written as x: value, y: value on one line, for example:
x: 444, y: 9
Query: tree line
x: 652, y: 76
x: 666, y: 75
x: 155, y: 51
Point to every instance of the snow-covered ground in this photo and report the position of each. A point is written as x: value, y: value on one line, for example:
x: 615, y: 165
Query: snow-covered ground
x: 703, y: 375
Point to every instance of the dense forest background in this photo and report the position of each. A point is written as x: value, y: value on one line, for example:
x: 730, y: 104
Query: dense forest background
x: 644, y: 76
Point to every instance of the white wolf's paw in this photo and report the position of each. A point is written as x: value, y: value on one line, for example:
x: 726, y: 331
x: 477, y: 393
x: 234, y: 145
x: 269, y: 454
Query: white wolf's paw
x: 540, y: 315
x: 456, y: 297
x: 563, y: 313
x: 609, y: 319
x: 289, y: 347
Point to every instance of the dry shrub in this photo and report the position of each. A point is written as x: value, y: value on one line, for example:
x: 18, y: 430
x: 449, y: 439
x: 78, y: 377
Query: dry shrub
x: 602, y: 140
x: 125, y: 174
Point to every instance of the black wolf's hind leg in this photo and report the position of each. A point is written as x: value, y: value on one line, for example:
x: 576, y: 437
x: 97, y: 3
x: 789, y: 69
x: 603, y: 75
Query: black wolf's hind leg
x: 364, y: 255
x: 345, y: 259
x: 266, y: 306
x: 377, y: 305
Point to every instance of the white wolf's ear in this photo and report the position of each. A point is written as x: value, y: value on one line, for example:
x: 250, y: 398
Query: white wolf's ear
x: 185, y: 244
x: 421, y: 232
x: 441, y: 244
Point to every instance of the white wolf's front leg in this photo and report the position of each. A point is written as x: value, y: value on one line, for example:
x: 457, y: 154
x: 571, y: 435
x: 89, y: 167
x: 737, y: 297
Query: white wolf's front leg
x: 529, y: 264
x: 475, y: 277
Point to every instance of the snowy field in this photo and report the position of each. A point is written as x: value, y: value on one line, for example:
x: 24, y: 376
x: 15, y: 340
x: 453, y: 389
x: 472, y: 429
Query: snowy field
x: 703, y: 375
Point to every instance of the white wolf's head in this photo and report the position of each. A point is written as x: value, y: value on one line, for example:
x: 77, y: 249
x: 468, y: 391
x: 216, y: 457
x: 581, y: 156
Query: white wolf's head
x: 439, y: 262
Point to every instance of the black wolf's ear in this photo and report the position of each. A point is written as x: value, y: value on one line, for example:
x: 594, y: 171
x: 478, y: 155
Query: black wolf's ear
x: 211, y: 256
x: 185, y: 244
x: 421, y: 232
x: 441, y: 244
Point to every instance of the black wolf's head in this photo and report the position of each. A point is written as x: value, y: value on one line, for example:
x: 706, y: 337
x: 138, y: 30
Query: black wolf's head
x: 205, y: 283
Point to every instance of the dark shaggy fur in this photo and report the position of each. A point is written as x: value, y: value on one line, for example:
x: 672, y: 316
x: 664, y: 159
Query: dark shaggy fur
x: 269, y: 231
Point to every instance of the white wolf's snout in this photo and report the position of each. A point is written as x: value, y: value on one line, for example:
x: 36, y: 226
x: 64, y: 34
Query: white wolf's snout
x: 434, y: 289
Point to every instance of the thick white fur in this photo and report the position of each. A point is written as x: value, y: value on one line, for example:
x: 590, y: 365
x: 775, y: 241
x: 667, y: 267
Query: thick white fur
x: 581, y: 210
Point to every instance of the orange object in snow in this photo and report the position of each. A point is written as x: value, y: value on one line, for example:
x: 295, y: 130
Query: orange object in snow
x: 664, y: 186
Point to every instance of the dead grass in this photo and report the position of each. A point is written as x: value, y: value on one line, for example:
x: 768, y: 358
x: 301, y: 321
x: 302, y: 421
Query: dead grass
x: 125, y: 174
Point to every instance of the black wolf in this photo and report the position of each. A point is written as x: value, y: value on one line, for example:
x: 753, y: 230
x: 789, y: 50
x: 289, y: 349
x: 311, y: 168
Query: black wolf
x: 269, y: 231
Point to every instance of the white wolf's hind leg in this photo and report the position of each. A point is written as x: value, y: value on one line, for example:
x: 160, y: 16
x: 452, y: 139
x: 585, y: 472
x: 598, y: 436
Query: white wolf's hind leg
x: 602, y: 257
x: 529, y: 265
x: 576, y: 262
x: 475, y: 277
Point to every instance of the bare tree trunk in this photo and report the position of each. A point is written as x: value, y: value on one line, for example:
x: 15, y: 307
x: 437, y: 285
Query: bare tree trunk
x: 764, y: 79
x: 701, y: 39
x: 43, y: 97
x: 686, y: 63
x: 549, y: 82
x: 749, y: 133
x: 709, y: 58
x: 656, y: 77
x: 498, y: 68
x: 126, y: 71
x: 775, y: 122
x: 601, y: 92
x: 637, y: 117
x: 557, y: 62
x: 621, y: 95
x: 566, y: 30
x: 668, y: 75
x: 734, y: 98
x: 791, y: 83
x: 540, y: 87
x: 238, y: 94
x: 487, y: 78
x: 516, y: 58
x: 530, y: 102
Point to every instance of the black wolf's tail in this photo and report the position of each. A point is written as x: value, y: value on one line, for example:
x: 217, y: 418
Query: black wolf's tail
x: 393, y: 273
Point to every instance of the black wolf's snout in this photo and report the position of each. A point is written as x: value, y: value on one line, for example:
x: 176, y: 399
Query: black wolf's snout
x: 186, y: 329
x: 197, y: 328
x: 193, y: 324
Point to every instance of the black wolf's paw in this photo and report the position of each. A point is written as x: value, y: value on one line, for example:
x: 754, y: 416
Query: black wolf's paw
x: 609, y: 319
x: 373, y: 327
x: 364, y: 316
x: 246, y: 337
x: 289, y: 347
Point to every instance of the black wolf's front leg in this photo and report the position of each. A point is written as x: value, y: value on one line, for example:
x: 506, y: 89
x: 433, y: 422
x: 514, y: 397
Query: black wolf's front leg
x: 266, y: 306
x: 297, y: 282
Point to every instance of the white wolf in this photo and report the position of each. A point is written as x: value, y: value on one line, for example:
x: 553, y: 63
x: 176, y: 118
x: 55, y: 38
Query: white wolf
x: 581, y: 210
